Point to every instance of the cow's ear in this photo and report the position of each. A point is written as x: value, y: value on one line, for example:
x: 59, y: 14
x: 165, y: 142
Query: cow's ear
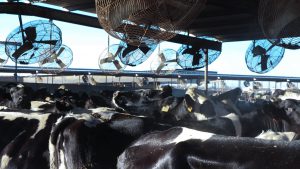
x: 189, y: 102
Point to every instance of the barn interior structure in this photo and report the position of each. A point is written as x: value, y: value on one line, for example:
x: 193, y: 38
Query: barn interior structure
x: 149, y: 99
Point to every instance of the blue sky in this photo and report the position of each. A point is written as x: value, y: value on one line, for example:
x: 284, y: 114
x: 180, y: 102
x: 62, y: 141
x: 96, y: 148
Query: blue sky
x: 87, y: 44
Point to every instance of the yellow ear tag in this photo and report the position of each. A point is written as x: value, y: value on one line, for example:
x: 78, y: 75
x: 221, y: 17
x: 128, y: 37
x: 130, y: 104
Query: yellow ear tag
x: 165, y: 108
x: 190, y: 109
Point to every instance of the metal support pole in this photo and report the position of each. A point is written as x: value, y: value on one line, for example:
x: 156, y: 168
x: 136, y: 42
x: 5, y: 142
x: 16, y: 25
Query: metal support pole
x: 16, y: 71
x: 206, y: 71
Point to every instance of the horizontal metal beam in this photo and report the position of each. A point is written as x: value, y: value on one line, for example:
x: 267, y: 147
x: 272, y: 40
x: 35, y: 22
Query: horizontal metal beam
x: 84, y: 6
x: 183, y: 74
x: 44, y: 12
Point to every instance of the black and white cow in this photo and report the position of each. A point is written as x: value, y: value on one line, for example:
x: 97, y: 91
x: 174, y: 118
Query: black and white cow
x: 86, y: 141
x: 19, y: 96
x: 140, y: 102
x: 24, y: 139
x: 198, y: 106
x: 180, y: 147
x: 251, y: 124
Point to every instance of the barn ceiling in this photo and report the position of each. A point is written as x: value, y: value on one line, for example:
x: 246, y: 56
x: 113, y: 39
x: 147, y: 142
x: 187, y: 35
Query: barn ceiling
x: 227, y: 20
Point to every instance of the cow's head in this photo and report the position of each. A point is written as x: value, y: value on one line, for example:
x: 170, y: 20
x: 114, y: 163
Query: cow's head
x: 292, y: 111
x: 21, y: 96
x: 65, y: 100
x: 141, y: 101
x: 197, y: 102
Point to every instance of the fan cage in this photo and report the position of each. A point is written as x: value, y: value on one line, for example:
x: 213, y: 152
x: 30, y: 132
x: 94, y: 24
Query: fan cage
x: 254, y: 62
x: 136, y: 57
x: 146, y: 21
x: 110, y: 66
x: 158, y: 66
x: 66, y: 57
x: 45, y: 30
x: 280, y: 21
x: 185, y: 60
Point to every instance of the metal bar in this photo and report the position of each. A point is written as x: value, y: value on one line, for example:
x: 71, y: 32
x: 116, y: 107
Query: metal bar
x: 206, y: 71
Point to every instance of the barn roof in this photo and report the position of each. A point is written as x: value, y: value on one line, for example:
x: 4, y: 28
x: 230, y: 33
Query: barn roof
x: 227, y: 20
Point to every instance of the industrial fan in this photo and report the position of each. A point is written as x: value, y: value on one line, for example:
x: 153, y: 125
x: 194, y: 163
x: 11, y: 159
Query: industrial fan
x: 3, y: 56
x: 109, y: 59
x: 58, y: 61
x: 291, y: 85
x: 246, y: 83
x: 263, y: 56
x: 165, y: 63
x: 280, y: 21
x: 144, y: 21
x: 35, y: 41
x: 257, y: 85
x: 142, y: 81
x: 192, y: 57
x: 135, y: 55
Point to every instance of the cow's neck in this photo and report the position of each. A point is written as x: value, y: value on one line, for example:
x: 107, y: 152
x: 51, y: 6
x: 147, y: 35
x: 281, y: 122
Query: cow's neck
x: 256, y: 122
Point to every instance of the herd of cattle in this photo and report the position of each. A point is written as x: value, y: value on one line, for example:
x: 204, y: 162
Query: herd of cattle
x: 147, y: 129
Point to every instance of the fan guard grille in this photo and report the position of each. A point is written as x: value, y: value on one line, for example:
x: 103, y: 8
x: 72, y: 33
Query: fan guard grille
x: 45, y: 31
x: 144, y: 21
x: 280, y: 21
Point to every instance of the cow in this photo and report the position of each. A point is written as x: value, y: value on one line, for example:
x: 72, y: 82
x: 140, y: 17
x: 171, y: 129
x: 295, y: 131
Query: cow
x: 270, y: 117
x: 196, y: 105
x: 286, y: 94
x: 24, y: 139
x: 19, y: 96
x: 140, y: 102
x: 284, y: 136
x: 88, y: 141
x: 181, y: 147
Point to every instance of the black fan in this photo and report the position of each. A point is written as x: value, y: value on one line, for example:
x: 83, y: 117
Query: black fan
x: 135, y: 55
x: 246, y: 83
x: 262, y: 56
x: 191, y: 57
x: 36, y: 40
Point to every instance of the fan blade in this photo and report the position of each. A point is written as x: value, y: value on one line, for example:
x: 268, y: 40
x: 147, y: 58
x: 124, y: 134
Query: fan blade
x: 196, y: 59
x: 22, y: 49
x: 129, y: 49
x: 191, y: 51
x: 60, y: 51
x: 117, y: 64
x: 60, y: 63
x: 144, y: 49
x: 30, y: 33
x: 173, y: 60
x: 109, y: 59
x: 92, y: 81
x: 31, y: 56
x: 105, y: 60
x: 118, y: 51
x: 258, y: 51
x: 49, y: 59
x: 162, y: 57
x: 49, y: 42
x: 2, y: 60
x: 160, y: 67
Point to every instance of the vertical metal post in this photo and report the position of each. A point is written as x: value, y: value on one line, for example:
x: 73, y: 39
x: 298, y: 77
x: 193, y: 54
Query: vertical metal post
x: 16, y: 71
x: 206, y: 71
